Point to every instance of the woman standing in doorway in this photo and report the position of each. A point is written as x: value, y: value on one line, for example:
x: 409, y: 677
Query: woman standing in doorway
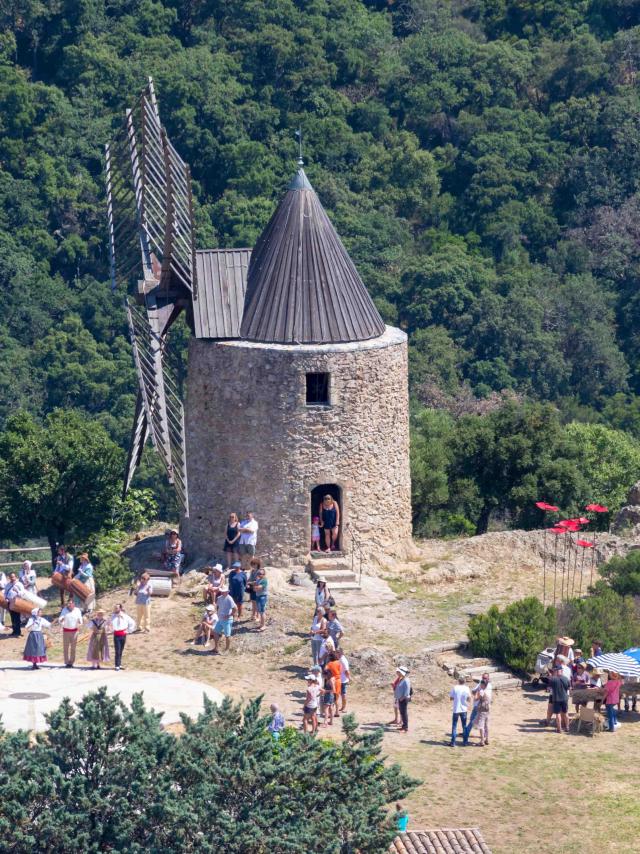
x: 330, y: 522
x: 231, y: 546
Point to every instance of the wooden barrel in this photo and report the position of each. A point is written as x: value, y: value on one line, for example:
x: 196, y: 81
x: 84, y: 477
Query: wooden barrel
x: 22, y: 606
x: 78, y: 589
x: 161, y: 587
x: 60, y: 580
x: 160, y: 573
x: 38, y: 601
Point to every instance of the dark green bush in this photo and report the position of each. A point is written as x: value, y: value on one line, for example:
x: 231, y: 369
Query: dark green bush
x: 514, y: 636
x: 605, y: 616
x: 623, y: 573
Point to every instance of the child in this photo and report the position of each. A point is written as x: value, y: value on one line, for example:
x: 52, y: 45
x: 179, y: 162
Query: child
x: 315, y: 534
x: 203, y: 632
x: 276, y: 725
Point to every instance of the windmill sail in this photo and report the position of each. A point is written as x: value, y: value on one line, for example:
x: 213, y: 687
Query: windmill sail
x: 152, y: 250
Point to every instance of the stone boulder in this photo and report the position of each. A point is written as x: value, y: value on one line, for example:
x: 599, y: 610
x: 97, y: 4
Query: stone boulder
x: 633, y: 497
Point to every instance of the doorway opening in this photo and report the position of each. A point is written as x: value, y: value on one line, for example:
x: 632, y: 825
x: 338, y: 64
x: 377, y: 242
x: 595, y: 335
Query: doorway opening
x: 317, y: 495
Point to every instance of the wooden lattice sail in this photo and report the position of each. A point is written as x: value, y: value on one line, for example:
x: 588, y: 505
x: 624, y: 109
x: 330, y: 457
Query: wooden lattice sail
x: 152, y: 250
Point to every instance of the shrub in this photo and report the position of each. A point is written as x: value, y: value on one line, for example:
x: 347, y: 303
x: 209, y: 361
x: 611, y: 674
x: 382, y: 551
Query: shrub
x: 514, y: 636
x: 606, y: 616
x: 623, y: 573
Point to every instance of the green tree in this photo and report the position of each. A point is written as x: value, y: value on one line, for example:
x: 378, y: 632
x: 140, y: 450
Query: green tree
x: 623, y: 574
x: 57, y: 479
x: 107, y: 777
x: 515, y: 635
x: 605, y: 616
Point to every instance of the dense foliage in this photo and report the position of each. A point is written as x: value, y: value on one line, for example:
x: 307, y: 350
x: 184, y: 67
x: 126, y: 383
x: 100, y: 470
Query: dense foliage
x: 623, y: 574
x: 515, y: 635
x: 479, y: 158
x: 107, y: 777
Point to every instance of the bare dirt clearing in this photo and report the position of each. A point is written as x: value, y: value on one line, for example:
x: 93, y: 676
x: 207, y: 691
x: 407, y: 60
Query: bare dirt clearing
x: 521, y: 790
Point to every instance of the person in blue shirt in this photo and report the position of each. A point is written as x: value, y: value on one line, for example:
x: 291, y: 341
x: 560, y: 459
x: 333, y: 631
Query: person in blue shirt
x: 402, y: 819
x: 276, y: 725
x: 237, y: 585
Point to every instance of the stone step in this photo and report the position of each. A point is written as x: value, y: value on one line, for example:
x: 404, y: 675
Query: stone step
x: 486, y: 668
x: 345, y: 585
x: 324, y: 567
x: 326, y: 555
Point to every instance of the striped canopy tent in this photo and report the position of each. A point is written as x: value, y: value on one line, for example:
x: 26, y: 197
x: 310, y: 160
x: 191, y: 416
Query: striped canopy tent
x: 616, y: 662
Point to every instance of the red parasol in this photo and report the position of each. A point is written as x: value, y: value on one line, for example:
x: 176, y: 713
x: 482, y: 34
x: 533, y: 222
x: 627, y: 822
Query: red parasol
x: 569, y: 524
x: 548, y: 508
x: 597, y: 508
x: 557, y: 530
x: 586, y: 544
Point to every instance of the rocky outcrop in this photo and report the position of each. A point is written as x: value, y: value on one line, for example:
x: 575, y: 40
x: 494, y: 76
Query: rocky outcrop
x: 627, y: 521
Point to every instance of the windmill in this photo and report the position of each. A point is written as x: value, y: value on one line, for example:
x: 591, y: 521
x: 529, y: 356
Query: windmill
x: 153, y: 259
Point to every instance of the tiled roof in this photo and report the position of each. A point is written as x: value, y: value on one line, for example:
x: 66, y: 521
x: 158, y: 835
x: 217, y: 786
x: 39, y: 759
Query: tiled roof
x: 303, y: 287
x: 441, y: 841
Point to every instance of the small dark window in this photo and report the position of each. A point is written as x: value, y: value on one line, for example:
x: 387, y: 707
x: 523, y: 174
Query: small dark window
x: 318, y: 389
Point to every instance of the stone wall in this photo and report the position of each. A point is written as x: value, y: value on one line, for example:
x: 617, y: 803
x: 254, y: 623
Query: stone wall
x: 254, y: 444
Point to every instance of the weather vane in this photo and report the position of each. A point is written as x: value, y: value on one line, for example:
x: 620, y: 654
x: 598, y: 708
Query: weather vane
x: 299, y: 138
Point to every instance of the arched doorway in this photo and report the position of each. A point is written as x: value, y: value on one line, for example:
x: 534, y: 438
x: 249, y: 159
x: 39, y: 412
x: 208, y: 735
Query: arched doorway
x: 317, y: 494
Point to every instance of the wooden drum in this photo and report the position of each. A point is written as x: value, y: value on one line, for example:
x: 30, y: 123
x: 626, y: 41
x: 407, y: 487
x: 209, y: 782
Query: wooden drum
x: 78, y: 589
x: 22, y: 606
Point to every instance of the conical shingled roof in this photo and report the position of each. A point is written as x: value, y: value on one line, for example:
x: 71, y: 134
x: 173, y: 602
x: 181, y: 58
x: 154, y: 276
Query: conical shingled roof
x: 302, y: 287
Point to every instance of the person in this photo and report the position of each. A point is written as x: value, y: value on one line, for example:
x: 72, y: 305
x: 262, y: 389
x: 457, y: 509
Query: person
x: 580, y: 679
x: 205, y: 627
x: 28, y: 577
x: 35, y: 649
x: 248, y: 537
x: 323, y: 596
x: 85, y: 575
x: 335, y: 669
x: 564, y: 646
x: 13, y: 590
x: 330, y: 522
x: 64, y: 565
x: 215, y: 579
x: 396, y: 708
x: 227, y: 610
x: 318, y: 633
x: 315, y: 534
x: 3, y: 584
x: 172, y: 553
x: 98, y: 649
x: 237, y: 585
x: 461, y: 696
x: 310, y: 708
x: 402, y: 819
x: 143, y: 589
x: 255, y: 566
x: 327, y: 697
x: 485, y: 686
x: 71, y: 620
x: 345, y: 678
x: 231, y: 547
x: 561, y: 662
x: 578, y: 658
x: 121, y: 625
x: 326, y: 648
x: 277, y: 723
x: 559, y: 686
x: 260, y: 587
x: 334, y: 626
x: 402, y: 693
x: 596, y: 649
x: 611, y: 699
x: 482, y: 695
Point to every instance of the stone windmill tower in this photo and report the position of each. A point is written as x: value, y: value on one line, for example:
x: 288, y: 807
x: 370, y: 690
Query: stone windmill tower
x: 295, y: 388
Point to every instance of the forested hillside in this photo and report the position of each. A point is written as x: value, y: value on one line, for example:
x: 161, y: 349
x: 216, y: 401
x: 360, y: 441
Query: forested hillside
x: 480, y: 159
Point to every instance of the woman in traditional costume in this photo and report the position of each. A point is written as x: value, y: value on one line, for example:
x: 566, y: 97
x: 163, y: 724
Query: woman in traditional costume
x: 98, y: 641
x: 35, y: 649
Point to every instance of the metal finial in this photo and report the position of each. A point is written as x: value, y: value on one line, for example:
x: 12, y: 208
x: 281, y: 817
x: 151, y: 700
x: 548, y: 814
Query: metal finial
x: 299, y: 137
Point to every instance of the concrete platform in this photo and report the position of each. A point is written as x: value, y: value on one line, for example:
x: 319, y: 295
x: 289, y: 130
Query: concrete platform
x: 168, y: 694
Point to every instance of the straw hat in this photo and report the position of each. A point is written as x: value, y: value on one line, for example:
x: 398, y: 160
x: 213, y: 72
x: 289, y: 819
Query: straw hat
x: 209, y: 608
x: 565, y: 641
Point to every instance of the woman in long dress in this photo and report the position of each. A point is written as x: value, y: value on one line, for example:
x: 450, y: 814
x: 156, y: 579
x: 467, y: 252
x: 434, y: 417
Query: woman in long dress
x: 98, y: 641
x: 35, y: 649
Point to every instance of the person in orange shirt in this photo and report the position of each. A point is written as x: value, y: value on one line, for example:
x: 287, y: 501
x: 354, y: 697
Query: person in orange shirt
x: 335, y: 669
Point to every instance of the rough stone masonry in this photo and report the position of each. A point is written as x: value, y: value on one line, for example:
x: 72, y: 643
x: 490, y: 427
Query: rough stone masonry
x: 253, y: 443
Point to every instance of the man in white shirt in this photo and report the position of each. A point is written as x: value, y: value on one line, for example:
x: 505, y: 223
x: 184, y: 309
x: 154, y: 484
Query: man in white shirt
x: 461, y: 696
x: 248, y: 538
x: 3, y: 584
x: 345, y: 678
x: 71, y: 620
x: 227, y: 610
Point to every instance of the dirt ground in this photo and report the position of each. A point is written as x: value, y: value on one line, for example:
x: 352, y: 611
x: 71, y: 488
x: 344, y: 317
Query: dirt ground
x: 530, y: 790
